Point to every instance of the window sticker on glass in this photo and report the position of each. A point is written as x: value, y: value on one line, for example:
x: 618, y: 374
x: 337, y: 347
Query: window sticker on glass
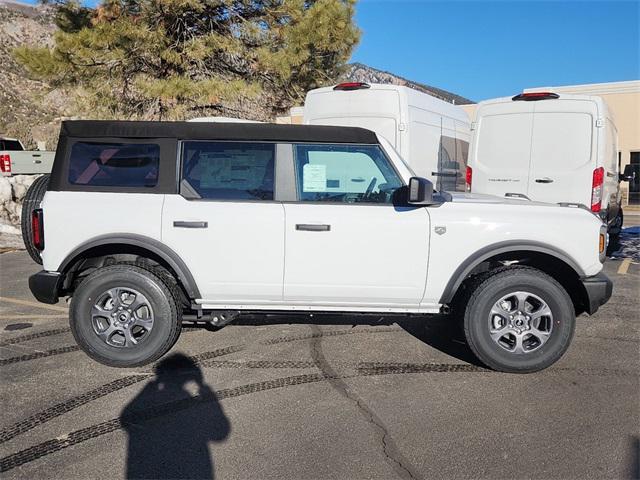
x: 314, y: 178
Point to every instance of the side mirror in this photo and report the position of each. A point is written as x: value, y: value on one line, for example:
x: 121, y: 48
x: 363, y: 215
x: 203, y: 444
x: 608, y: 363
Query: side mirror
x: 420, y: 191
x: 629, y: 174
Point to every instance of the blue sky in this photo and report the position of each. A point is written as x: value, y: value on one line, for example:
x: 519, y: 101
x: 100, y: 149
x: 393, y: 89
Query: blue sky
x: 480, y: 49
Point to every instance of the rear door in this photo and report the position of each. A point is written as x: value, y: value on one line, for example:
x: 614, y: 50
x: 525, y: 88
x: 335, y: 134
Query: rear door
x: 225, y: 224
x: 502, y: 149
x: 562, y: 150
x: 377, y: 109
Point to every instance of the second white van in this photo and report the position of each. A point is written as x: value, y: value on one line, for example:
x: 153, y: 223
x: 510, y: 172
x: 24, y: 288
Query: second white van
x: 430, y: 134
x: 549, y: 148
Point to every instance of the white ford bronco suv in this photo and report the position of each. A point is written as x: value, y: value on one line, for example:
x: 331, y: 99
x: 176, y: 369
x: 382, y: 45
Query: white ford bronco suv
x: 144, y: 224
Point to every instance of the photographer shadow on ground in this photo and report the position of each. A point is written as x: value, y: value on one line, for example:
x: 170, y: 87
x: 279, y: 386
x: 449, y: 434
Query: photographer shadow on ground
x: 171, y: 423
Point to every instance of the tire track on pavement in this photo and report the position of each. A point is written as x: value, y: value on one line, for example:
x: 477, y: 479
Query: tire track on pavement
x: 363, y: 370
x: 35, y: 355
x: 33, y: 336
x: 70, y: 404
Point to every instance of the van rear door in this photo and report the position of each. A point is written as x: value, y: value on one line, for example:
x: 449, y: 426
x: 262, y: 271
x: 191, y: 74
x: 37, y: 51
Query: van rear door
x: 503, y: 148
x: 375, y: 108
x: 562, y: 149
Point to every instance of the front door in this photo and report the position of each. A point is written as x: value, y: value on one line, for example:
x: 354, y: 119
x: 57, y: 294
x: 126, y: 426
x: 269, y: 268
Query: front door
x: 225, y: 225
x: 347, y: 244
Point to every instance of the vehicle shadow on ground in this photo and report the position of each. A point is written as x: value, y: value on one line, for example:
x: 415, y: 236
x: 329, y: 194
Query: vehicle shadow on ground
x: 442, y: 332
x: 173, y: 446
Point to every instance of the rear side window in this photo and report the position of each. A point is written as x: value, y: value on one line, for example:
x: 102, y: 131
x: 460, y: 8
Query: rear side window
x: 114, y: 164
x: 229, y: 170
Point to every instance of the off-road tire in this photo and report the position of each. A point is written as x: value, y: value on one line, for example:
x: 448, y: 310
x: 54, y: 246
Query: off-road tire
x: 486, y: 289
x: 31, y: 201
x: 167, y: 315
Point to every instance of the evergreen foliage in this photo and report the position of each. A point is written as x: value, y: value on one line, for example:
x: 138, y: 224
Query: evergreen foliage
x: 172, y: 59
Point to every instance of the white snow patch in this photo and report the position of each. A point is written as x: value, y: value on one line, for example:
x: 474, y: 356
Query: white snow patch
x: 629, y: 244
x: 10, y: 229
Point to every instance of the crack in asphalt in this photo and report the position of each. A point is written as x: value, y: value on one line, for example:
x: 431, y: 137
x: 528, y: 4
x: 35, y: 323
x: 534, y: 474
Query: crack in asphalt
x: 401, y: 466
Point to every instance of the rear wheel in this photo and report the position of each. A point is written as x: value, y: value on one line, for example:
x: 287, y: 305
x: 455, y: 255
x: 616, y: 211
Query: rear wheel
x: 31, y: 201
x: 614, y: 233
x: 519, y: 320
x: 124, y: 316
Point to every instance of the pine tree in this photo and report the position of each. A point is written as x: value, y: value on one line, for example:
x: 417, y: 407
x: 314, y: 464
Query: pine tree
x: 173, y: 59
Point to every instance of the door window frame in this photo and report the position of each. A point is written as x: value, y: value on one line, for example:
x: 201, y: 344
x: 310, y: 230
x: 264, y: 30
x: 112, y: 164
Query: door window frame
x: 285, y: 179
x: 166, y: 180
x: 291, y: 176
x: 279, y: 158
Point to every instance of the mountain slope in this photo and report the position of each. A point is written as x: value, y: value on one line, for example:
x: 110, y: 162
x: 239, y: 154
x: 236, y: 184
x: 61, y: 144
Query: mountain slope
x: 28, y: 108
x: 359, y: 72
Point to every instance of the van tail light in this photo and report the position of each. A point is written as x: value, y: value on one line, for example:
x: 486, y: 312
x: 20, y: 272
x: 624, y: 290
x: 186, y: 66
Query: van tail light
x: 5, y: 164
x: 37, y: 228
x: 467, y: 179
x: 534, y: 96
x: 596, y: 190
x: 352, y: 86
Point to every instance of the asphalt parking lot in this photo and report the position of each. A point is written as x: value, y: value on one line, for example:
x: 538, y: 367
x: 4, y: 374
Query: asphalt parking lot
x: 302, y: 398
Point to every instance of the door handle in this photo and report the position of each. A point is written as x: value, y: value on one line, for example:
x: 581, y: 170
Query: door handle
x: 313, y: 227
x: 544, y: 180
x: 183, y: 224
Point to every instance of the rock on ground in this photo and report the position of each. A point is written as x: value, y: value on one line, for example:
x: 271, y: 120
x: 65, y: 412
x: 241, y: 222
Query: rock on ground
x: 12, y: 193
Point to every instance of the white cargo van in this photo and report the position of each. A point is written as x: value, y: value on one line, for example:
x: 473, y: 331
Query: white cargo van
x: 549, y: 148
x: 430, y: 134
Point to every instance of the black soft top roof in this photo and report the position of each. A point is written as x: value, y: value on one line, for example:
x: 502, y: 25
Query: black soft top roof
x: 217, y: 131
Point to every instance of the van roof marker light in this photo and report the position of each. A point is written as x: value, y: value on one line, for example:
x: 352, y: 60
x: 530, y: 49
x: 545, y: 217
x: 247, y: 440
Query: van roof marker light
x: 533, y: 96
x: 352, y: 86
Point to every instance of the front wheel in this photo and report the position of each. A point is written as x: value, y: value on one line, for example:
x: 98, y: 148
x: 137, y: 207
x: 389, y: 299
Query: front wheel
x: 519, y: 320
x: 124, y: 316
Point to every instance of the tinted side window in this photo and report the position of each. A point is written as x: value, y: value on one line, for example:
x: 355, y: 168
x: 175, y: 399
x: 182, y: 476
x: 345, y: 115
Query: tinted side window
x: 229, y: 170
x: 114, y: 164
x: 344, y: 173
x: 12, y: 145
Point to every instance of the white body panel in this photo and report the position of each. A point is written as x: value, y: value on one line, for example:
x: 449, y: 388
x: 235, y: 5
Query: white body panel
x: 74, y: 218
x: 474, y: 222
x: 239, y: 257
x: 372, y: 255
x: 546, y: 149
x: 431, y: 135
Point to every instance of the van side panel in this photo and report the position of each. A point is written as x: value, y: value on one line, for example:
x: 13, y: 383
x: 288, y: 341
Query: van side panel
x: 425, y: 130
